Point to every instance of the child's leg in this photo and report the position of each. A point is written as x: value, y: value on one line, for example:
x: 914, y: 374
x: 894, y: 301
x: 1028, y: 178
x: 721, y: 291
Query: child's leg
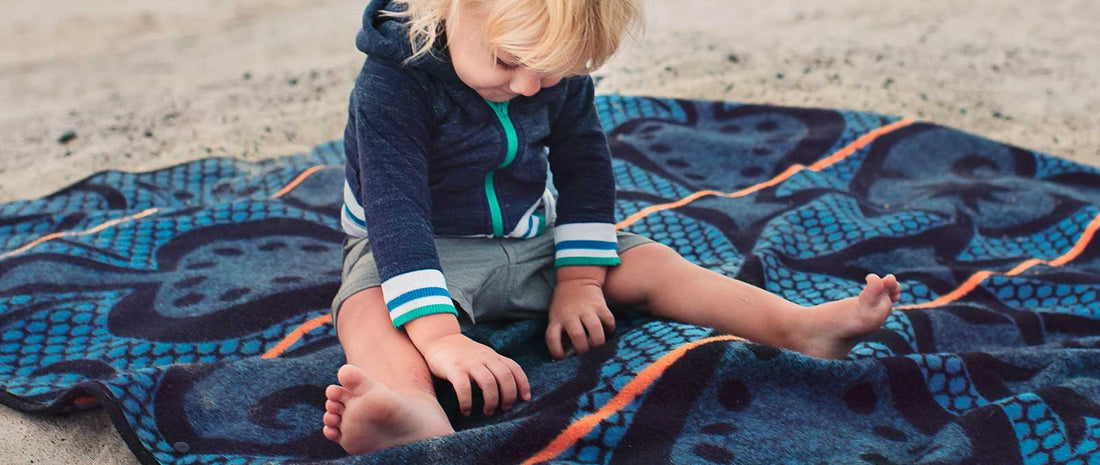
x: 654, y: 278
x: 385, y: 397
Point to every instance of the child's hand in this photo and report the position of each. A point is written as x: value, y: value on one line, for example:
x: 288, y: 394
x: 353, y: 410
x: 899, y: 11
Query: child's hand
x: 578, y: 307
x: 459, y: 359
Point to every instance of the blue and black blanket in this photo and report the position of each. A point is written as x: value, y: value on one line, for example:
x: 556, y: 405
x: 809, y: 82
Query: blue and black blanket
x: 192, y: 303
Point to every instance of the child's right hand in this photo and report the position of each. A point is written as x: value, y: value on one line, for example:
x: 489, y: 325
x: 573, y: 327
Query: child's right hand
x: 459, y: 359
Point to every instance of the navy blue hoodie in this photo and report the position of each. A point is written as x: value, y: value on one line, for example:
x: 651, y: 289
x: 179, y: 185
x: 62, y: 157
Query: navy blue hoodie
x: 427, y: 155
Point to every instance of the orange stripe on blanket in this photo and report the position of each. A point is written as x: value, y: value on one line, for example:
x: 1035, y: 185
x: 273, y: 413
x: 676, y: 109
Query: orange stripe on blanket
x: 1079, y: 247
x: 56, y: 235
x: 970, y: 284
x: 298, y: 180
x: 632, y: 390
x: 976, y: 279
x: 49, y: 237
x: 819, y: 165
x: 296, y: 335
x: 860, y: 143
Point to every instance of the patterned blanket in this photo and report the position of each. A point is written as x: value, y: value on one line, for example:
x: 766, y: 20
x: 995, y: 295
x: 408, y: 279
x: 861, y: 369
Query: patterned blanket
x: 191, y: 303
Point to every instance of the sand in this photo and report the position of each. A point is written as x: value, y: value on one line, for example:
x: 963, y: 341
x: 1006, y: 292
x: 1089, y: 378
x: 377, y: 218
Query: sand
x: 145, y: 85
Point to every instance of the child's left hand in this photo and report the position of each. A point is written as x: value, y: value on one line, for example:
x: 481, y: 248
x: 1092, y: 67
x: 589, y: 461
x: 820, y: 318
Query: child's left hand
x: 578, y: 308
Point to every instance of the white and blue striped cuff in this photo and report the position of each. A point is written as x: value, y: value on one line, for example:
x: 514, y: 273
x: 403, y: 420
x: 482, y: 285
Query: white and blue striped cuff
x: 415, y: 294
x: 586, y: 244
x: 351, y: 216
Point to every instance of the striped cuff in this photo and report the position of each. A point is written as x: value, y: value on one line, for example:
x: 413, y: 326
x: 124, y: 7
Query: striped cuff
x: 415, y: 294
x: 586, y: 244
x: 351, y: 216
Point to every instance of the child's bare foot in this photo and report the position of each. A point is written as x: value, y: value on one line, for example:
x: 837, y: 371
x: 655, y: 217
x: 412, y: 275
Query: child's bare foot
x: 830, y: 330
x: 362, y: 415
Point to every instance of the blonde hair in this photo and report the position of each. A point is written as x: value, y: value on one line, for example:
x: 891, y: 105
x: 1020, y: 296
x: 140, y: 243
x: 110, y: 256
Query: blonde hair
x: 562, y: 37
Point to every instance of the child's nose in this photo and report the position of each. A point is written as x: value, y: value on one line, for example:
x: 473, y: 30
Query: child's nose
x: 526, y: 83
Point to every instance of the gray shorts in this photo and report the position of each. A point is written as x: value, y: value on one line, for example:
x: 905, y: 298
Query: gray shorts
x: 489, y: 279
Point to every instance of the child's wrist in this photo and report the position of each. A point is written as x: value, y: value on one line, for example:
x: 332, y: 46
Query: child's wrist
x: 587, y: 274
x: 427, y: 329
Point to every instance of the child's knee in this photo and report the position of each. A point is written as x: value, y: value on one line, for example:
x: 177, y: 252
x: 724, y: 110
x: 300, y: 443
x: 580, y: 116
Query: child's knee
x: 367, y: 304
x: 632, y: 282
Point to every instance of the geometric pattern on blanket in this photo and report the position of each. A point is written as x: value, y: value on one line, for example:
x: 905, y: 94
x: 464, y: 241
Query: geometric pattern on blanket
x: 191, y: 303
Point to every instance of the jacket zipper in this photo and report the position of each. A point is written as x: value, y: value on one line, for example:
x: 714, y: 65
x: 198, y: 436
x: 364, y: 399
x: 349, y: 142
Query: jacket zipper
x: 501, y: 110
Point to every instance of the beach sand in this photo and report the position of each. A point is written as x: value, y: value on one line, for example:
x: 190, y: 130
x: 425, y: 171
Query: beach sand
x: 145, y: 85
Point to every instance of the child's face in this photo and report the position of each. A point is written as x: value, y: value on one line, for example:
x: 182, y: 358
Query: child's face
x: 498, y: 81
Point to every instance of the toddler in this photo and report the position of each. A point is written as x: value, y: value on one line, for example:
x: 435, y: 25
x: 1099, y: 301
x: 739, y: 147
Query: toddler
x: 458, y: 114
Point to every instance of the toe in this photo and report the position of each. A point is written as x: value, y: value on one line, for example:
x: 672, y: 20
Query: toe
x: 892, y: 286
x: 872, y: 290
x: 338, y: 393
x: 890, y: 282
x: 874, y: 282
x: 333, y: 434
x: 334, y: 407
x: 352, y: 377
x: 332, y: 420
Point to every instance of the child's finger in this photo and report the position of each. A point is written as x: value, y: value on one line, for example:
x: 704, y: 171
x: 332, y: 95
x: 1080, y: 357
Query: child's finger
x: 521, y: 378
x: 461, y: 382
x: 594, y: 327
x: 607, y: 318
x: 577, y: 335
x: 488, y: 384
x: 506, y: 381
x: 553, y: 341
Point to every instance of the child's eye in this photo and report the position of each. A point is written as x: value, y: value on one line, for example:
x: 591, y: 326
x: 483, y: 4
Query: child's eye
x: 504, y: 65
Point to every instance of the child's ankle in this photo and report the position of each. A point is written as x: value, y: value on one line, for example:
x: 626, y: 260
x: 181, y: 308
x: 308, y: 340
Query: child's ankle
x: 795, y: 328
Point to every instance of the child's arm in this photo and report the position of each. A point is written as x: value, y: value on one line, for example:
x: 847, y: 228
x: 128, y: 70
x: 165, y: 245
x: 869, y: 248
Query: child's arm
x: 387, y: 133
x: 584, y: 235
x: 386, y: 140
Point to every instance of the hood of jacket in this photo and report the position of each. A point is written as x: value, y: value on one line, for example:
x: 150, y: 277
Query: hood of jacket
x: 387, y: 37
